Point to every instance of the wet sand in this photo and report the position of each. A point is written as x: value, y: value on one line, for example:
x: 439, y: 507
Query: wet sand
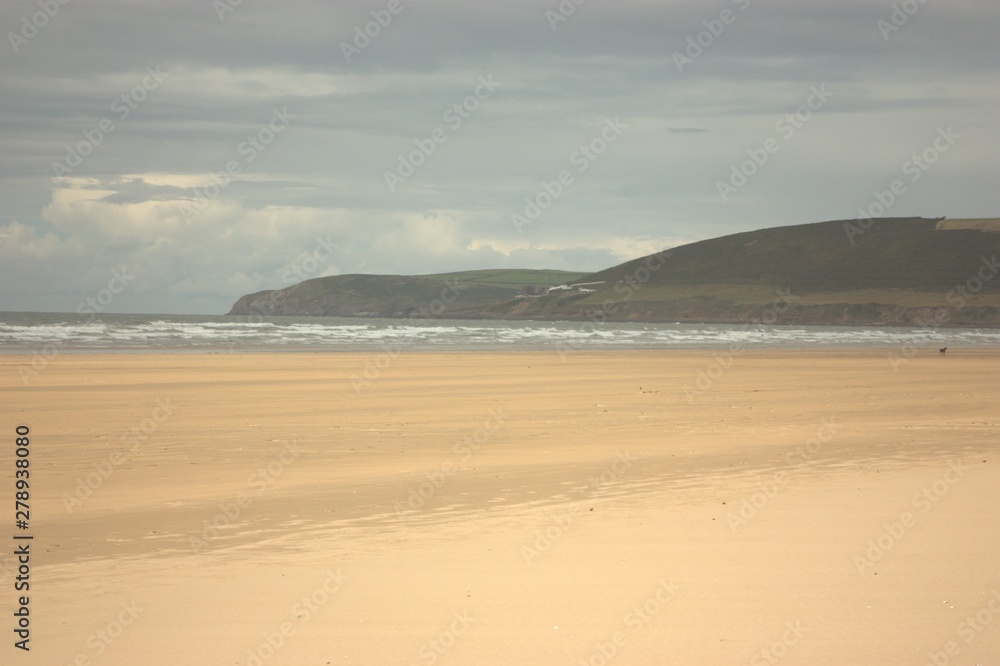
x: 790, y: 507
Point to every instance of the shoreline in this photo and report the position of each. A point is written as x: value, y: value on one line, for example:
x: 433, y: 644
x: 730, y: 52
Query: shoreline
x: 456, y: 349
x: 47, y: 335
x: 433, y: 319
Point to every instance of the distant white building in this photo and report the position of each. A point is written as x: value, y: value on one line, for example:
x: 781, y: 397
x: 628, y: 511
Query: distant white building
x: 578, y: 287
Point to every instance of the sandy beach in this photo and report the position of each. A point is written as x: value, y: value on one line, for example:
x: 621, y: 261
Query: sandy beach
x: 695, y: 507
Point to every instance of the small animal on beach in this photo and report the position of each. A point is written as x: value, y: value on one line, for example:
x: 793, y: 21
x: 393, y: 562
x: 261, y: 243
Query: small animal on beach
x: 942, y: 350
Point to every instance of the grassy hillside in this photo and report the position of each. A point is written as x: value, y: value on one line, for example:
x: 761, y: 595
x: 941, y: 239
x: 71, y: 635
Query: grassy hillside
x: 908, y: 253
x: 508, y: 278
x: 897, y: 271
x: 907, y: 271
x: 398, y: 296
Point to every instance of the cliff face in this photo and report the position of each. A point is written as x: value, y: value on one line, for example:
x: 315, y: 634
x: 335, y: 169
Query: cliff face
x: 289, y: 303
x: 344, y: 298
x: 263, y: 302
x: 727, y: 312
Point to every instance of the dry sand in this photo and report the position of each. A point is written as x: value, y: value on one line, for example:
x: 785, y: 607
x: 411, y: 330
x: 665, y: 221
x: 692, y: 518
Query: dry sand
x: 804, y: 508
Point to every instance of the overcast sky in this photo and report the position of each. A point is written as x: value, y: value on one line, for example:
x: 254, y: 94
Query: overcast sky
x: 184, y: 153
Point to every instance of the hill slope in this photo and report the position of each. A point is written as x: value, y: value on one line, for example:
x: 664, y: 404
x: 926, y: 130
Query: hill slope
x: 897, y: 271
x: 908, y: 271
x: 398, y: 295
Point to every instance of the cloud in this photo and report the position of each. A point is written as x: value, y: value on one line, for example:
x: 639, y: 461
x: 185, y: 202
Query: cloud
x: 324, y: 175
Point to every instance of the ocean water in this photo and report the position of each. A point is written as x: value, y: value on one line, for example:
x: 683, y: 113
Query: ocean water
x: 41, y: 333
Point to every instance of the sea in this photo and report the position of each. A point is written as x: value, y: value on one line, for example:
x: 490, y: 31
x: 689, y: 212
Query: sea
x: 50, y: 332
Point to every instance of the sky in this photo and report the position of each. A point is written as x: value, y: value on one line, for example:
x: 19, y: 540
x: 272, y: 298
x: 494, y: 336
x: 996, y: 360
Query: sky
x: 170, y: 156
